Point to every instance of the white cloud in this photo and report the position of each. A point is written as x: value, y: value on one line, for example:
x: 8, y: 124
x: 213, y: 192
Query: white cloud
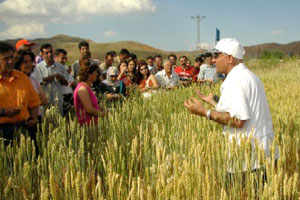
x: 109, y: 33
x: 276, y: 32
x: 23, y: 31
x: 16, y: 12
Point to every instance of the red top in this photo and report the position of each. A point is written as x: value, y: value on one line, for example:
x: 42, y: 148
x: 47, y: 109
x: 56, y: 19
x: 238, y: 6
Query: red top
x: 184, y: 73
x: 195, y: 73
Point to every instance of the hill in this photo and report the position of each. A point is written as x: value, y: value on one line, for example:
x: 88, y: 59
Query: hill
x: 287, y: 49
x: 142, y: 50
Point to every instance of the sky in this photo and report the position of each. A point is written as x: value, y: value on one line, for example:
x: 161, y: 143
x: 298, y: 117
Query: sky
x: 163, y: 24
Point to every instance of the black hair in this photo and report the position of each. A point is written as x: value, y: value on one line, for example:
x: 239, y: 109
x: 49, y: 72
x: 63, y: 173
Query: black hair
x: 45, y: 46
x: 199, y: 59
x: 19, y: 57
x: 208, y: 55
x: 149, y: 57
x: 121, y: 62
x: 183, y: 57
x: 83, y: 44
x: 133, y: 56
x: 140, y: 76
x: 114, y: 53
x: 124, y: 52
x: 59, y: 51
x: 202, y: 56
x: 157, y: 56
x: 5, y: 47
x: 172, y: 55
x: 110, y: 53
x: 86, y: 70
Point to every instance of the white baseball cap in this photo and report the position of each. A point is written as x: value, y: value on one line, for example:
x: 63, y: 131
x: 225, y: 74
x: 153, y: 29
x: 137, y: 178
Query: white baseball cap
x: 231, y: 47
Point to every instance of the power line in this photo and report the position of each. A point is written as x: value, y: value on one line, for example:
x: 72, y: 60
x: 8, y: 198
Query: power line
x: 198, y: 19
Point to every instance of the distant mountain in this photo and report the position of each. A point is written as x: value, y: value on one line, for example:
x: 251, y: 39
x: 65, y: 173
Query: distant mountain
x: 287, y: 49
x: 142, y: 50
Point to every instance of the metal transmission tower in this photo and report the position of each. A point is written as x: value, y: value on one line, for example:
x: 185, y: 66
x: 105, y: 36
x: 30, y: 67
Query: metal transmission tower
x: 198, y: 18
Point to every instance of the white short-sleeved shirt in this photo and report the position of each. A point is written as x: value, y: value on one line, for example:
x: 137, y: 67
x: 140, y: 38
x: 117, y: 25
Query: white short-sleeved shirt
x: 165, y: 81
x: 208, y: 72
x: 244, y: 97
x: 54, y: 89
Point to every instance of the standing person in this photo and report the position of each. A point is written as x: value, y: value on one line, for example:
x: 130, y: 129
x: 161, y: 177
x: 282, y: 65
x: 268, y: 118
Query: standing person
x: 107, y: 63
x: 132, y: 56
x: 85, y: 102
x: 84, y: 50
x: 52, y: 76
x: 167, y: 78
x: 24, y: 45
x: 61, y: 56
x: 146, y: 81
x: 158, y: 63
x: 243, y: 107
x: 123, y: 56
x: 18, y: 100
x: 173, y: 59
x: 196, y: 68
x: 208, y: 74
x: 150, y: 63
x: 184, y: 71
x: 25, y: 63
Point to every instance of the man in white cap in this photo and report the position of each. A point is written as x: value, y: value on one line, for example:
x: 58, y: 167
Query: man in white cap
x: 243, y: 108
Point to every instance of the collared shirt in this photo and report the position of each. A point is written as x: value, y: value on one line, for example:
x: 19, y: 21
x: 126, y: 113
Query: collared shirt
x: 208, y: 72
x: 54, y: 89
x: 103, y: 68
x: 243, y: 96
x: 165, y: 81
x: 18, y: 92
x: 184, y: 74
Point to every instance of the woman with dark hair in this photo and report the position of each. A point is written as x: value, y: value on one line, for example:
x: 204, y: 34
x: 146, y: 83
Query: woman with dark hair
x: 128, y: 75
x: 146, y: 81
x: 85, y: 101
x: 24, y: 63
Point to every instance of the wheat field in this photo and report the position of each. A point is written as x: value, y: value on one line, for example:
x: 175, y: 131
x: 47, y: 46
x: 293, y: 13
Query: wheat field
x: 154, y: 148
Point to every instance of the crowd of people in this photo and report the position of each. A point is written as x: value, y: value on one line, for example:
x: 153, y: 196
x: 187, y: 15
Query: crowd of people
x: 85, y: 83
x: 29, y: 84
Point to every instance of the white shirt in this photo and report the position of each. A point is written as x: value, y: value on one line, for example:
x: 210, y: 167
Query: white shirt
x: 244, y: 97
x: 165, y: 81
x: 53, y: 90
x: 68, y: 89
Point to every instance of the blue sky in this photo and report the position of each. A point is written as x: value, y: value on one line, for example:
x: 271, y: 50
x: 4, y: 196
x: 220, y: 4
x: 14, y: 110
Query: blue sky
x: 164, y: 24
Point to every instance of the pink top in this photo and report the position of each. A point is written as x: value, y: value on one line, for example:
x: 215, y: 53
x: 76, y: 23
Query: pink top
x: 82, y: 115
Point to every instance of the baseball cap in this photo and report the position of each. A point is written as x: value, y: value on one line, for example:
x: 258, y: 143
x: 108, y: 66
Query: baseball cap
x: 23, y: 42
x: 231, y: 47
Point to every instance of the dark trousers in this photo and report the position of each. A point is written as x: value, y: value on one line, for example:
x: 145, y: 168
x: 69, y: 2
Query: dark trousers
x: 68, y: 104
x: 11, y: 131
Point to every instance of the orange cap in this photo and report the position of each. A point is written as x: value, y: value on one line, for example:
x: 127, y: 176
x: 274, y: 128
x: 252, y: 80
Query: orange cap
x: 23, y: 42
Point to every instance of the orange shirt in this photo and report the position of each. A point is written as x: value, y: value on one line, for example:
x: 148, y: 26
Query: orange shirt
x: 18, y: 92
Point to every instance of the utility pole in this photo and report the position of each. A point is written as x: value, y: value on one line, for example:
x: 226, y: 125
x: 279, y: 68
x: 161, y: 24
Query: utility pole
x: 198, y: 18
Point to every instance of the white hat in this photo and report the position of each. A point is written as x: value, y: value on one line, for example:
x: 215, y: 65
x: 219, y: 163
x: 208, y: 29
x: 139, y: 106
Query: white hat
x: 231, y: 47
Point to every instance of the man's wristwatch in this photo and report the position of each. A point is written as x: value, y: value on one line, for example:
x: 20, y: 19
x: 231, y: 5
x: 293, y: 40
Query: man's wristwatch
x: 208, y: 114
